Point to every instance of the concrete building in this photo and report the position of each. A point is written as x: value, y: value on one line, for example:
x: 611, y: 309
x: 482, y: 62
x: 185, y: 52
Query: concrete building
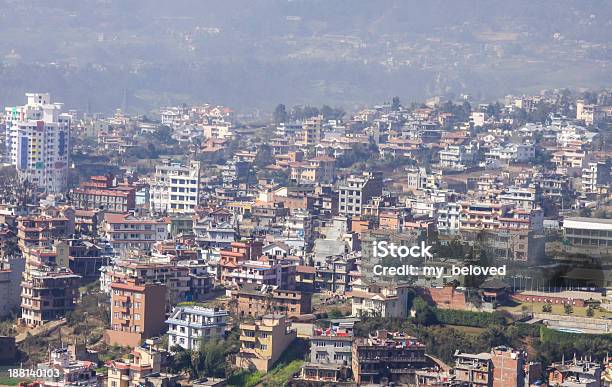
x: 263, y: 342
x: 456, y: 157
x: 102, y: 192
x: 137, y: 312
x: 188, y: 326
x: 42, y: 229
x: 377, y: 300
x: 312, y: 130
x: 126, y: 231
x: 254, y: 302
x: 588, y: 232
x: 145, y: 360
x: 320, y: 169
x: 330, y: 356
x: 11, y: 271
x: 38, y: 141
x: 71, y: 371
x: 526, y: 198
x: 501, y: 367
x: 595, y: 178
x: 185, y: 280
x: 474, y: 369
x: 575, y: 373
x: 387, y: 357
x: 47, y: 294
x: 175, y: 188
x: 449, y: 218
x: 357, y: 190
x: 589, y: 113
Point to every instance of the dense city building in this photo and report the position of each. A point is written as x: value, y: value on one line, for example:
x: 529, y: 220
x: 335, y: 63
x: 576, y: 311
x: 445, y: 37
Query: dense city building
x: 38, y: 141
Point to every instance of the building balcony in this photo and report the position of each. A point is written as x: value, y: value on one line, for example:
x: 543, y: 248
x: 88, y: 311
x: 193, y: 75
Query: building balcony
x: 251, y: 339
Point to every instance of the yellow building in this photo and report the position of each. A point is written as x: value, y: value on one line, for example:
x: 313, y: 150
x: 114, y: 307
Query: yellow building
x: 263, y: 342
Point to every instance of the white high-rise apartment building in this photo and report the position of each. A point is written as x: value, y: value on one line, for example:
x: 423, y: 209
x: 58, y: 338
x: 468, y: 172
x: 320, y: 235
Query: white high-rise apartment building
x: 175, y: 188
x: 37, y: 141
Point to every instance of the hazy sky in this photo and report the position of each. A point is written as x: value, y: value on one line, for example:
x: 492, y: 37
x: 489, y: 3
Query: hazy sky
x: 254, y: 54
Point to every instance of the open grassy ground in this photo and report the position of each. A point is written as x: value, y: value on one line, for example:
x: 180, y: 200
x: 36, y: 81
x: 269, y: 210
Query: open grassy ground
x: 6, y: 381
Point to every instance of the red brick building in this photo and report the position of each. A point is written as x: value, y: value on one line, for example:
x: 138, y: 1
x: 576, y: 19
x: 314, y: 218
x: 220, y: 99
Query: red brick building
x: 446, y: 297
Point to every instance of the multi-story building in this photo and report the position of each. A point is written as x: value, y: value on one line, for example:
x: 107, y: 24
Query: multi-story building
x: 185, y: 280
x: 259, y: 301
x: 526, y: 198
x: 70, y: 371
x: 47, y: 294
x: 474, y: 369
x: 589, y: 235
x: 38, y: 141
x: 508, y: 366
x: 379, y: 301
x: 240, y: 251
x: 449, y: 217
x: 357, y: 190
x: 517, y: 153
x: 126, y: 231
x: 320, y: 169
x: 332, y: 275
x: 330, y: 356
x: 11, y: 271
x: 102, y: 192
x: 501, y: 367
x: 575, y: 373
x: 138, y: 312
x: 589, y: 113
x: 188, y: 326
x: 263, y: 271
x: 595, y: 178
x: 42, y: 229
x: 312, y: 130
x: 456, y: 157
x: 488, y: 216
x: 569, y: 161
x: 210, y: 234
x: 145, y: 360
x: 175, y: 187
x: 263, y: 342
x: 387, y: 356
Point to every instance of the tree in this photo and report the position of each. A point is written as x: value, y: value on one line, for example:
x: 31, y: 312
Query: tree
x: 214, y: 358
x: 181, y: 361
x: 546, y: 308
x: 568, y: 309
x: 395, y: 104
x: 423, y: 313
x: 280, y: 114
x: 590, y: 312
x: 263, y: 156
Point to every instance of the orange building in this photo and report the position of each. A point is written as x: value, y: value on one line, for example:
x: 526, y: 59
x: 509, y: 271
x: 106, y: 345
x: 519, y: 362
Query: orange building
x: 240, y: 251
x: 137, y: 312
